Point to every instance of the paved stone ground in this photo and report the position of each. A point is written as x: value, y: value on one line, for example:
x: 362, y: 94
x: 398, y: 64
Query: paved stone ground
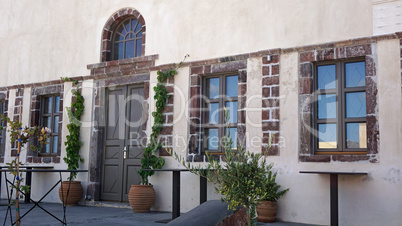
x: 95, y: 215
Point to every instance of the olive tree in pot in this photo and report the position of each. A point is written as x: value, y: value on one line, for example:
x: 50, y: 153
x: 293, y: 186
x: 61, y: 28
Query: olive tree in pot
x: 267, y: 206
x: 243, y: 179
x: 71, y: 191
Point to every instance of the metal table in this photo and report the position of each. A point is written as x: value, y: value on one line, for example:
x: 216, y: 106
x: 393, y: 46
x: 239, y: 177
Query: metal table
x: 334, y: 209
x: 28, y: 178
x: 36, y: 203
x: 176, y: 190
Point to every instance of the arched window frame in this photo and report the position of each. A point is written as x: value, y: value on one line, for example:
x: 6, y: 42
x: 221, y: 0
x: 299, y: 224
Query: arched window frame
x: 110, y: 27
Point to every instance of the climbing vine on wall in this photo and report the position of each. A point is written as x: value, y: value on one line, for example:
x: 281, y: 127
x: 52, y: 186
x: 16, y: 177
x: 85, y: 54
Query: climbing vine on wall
x: 149, y: 160
x: 73, y: 143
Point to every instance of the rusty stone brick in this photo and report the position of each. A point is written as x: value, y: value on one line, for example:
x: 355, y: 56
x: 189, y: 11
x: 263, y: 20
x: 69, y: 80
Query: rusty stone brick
x: 370, y: 67
x: 275, y: 70
x: 207, y: 69
x: 272, y: 151
x: 241, y: 116
x: 372, y: 134
x: 306, y: 70
x: 307, y: 57
x: 269, y: 103
x: 356, y: 51
x: 315, y: 158
x: 29, y: 159
x: 274, y: 59
x: 305, y: 134
x: 266, y: 70
x: 341, y: 53
x: 170, y: 99
x: 169, y: 119
x: 195, y: 80
x: 197, y: 70
x: 47, y: 159
x: 242, y: 76
x: 350, y: 158
x: 266, y: 92
x: 230, y: 66
x: 168, y: 109
x: 145, y: 64
x: 371, y: 96
x: 242, y: 89
x: 106, y: 34
x: 272, y: 80
x: 146, y: 90
x: 37, y: 159
x: 266, y: 115
x: 306, y: 103
x: 275, y: 91
x: 306, y: 86
x: 241, y: 102
x: 325, y: 54
x: 275, y: 113
x: 270, y: 126
x: 164, y: 152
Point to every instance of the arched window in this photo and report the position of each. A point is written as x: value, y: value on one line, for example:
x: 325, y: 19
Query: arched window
x: 123, y: 36
x: 127, y: 40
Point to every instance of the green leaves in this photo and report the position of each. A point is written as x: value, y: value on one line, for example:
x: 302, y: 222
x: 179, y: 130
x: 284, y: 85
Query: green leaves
x: 73, y: 143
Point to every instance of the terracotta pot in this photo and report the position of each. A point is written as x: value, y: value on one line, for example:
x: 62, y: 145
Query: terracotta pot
x: 141, y: 197
x: 74, y: 195
x: 266, y: 211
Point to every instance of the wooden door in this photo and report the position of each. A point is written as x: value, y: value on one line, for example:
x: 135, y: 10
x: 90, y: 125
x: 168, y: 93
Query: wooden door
x: 122, y: 151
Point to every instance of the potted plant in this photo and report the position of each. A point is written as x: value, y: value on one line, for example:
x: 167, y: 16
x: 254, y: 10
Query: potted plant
x: 244, y: 178
x: 267, y: 206
x: 142, y: 197
x: 71, y: 191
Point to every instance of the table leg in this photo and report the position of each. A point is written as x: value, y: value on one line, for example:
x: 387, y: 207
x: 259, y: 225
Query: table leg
x: 203, y: 189
x: 334, y: 199
x: 28, y: 181
x: 176, y: 194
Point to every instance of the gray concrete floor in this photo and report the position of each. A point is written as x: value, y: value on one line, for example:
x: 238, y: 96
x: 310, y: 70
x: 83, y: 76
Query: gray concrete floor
x: 98, y: 214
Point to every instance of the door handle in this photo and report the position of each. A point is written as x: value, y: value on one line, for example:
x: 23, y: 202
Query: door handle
x: 125, y: 153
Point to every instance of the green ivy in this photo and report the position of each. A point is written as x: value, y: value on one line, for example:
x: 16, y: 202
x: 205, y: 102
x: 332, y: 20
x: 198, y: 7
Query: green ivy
x: 73, y: 143
x: 149, y: 160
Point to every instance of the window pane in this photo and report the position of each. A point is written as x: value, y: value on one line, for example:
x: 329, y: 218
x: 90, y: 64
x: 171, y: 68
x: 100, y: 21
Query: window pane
x: 231, y: 86
x: 232, y: 108
x: 57, y: 104
x: 214, y: 113
x: 233, y: 137
x: 130, y: 49
x: 355, y: 74
x: 139, y: 47
x: 47, y: 107
x: 56, y: 125
x: 327, y: 136
x: 127, y: 25
x: 118, y: 51
x: 47, y: 146
x: 355, y: 104
x: 46, y: 121
x: 213, y: 88
x: 138, y: 28
x: 139, y: 35
x: 213, y: 139
x: 356, y: 135
x: 327, y: 106
x: 326, y: 77
x: 122, y: 31
x: 55, y: 144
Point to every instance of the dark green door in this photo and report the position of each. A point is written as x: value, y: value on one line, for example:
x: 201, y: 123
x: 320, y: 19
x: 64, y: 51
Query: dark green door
x: 122, y: 152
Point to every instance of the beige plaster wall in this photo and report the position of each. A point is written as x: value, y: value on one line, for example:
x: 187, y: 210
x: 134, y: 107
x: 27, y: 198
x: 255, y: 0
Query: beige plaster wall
x: 44, y: 40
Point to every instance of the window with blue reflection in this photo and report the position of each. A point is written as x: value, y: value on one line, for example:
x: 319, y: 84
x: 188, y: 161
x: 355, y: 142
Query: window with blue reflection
x: 356, y: 105
x: 232, y: 111
x: 214, y: 113
x: 327, y: 106
x: 213, y: 88
x: 213, y: 139
x: 356, y: 135
x: 232, y: 136
x: 231, y: 86
x: 355, y: 74
x: 127, y: 42
x: 326, y: 77
x: 327, y: 137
